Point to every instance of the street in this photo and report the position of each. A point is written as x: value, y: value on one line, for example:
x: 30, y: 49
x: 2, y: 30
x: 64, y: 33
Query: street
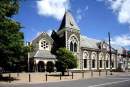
x: 109, y: 81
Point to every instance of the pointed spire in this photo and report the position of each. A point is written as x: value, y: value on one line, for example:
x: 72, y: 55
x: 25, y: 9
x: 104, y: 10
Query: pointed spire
x: 68, y: 21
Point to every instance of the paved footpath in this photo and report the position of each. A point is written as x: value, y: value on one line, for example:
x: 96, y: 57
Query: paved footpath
x: 117, y: 80
x: 110, y: 81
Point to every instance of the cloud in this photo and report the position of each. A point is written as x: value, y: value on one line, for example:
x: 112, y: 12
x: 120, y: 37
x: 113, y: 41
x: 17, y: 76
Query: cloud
x: 52, y: 8
x: 121, y: 8
x: 123, y: 40
x: 80, y: 13
x: 38, y: 33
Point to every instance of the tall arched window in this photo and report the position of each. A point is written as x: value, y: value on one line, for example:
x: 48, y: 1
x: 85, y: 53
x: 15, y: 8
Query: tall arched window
x: 73, y: 44
x: 94, y: 60
x: 75, y: 47
x: 113, y: 61
x: 85, y: 59
x: 107, y: 60
x: 101, y: 60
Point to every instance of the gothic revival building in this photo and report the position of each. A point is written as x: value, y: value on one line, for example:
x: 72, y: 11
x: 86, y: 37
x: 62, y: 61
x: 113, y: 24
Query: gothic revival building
x: 91, y: 54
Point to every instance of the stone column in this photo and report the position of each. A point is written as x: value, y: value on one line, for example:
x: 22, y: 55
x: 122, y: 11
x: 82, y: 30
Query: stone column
x: 90, y: 60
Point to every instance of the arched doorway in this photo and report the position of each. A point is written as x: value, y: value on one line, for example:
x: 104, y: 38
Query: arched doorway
x: 41, y: 66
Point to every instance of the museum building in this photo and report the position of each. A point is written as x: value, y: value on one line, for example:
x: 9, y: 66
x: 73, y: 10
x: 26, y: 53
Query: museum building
x: 91, y: 54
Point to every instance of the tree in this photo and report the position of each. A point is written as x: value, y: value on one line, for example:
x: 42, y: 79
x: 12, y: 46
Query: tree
x: 11, y: 39
x: 66, y: 60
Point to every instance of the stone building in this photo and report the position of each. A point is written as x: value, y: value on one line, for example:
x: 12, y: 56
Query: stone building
x: 91, y: 54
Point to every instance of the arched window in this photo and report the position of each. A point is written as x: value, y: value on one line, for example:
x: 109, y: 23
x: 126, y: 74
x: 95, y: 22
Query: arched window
x: 113, y: 61
x: 107, y: 60
x: 93, y: 63
x: 75, y: 47
x: 93, y: 60
x: 85, y: 59
x: 73, y: 44
x: 101, y: 60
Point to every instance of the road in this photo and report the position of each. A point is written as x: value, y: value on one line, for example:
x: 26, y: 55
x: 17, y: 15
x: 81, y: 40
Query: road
x: 109, y: 81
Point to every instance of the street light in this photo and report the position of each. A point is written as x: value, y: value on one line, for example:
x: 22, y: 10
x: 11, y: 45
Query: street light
x: 110, y: 53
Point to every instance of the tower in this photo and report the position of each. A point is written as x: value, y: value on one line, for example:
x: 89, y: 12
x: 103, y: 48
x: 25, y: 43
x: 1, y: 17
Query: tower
x: 69, y: 35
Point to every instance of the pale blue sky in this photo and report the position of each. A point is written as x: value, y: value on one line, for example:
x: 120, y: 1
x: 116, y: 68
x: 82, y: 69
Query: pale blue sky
x: 95, y: 18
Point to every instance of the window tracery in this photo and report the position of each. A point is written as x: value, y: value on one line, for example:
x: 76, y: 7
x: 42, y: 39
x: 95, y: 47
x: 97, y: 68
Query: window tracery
x: 73, y: 44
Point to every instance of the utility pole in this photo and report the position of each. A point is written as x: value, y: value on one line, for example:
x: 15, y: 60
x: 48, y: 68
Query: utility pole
x: 28, y: 44
x: 110, y: 53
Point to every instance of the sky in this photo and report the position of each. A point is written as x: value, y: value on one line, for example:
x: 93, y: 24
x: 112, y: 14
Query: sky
x: 95, y: 18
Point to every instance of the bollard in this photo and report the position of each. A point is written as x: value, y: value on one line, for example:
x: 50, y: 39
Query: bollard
x: 46, y: 77
x: 29, y: 77
x: 72, y: 75
x: 60, y: 76
x: 91, y: 73
x: 9, y: 78
x: 99, y: 72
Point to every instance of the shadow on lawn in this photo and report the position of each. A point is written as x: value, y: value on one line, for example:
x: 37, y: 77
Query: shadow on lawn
x: 7, y: 79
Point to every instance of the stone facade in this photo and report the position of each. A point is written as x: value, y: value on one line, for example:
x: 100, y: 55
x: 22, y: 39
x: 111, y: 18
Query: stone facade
x: 91, y: 54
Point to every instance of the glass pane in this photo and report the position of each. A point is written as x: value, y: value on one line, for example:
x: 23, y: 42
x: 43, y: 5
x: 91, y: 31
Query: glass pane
x: 106, y: 63
x: 93, y: 63
x: 75, y: 47
x: 100, y: 63
x: 71, y: 46
x: 85, y: 63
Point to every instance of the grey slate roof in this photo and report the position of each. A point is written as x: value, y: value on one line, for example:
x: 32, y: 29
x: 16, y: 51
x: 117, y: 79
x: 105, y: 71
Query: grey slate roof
x: 88, y: 42
x: 68, y: 22
x: 44, y: 54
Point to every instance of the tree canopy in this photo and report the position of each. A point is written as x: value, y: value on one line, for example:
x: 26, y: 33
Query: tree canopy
x: 66, y: 59
x: 11, y: 38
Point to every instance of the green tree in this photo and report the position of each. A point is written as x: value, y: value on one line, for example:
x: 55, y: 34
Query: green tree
x: 11, y: 39
x: 66, y: 60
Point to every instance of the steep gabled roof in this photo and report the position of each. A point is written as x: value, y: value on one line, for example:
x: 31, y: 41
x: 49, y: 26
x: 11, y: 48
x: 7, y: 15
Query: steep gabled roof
x: 68, y: 22
x: 42, y: 35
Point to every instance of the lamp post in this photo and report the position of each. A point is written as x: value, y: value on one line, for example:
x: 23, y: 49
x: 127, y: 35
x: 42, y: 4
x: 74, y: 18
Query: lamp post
x: 110, y: 53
